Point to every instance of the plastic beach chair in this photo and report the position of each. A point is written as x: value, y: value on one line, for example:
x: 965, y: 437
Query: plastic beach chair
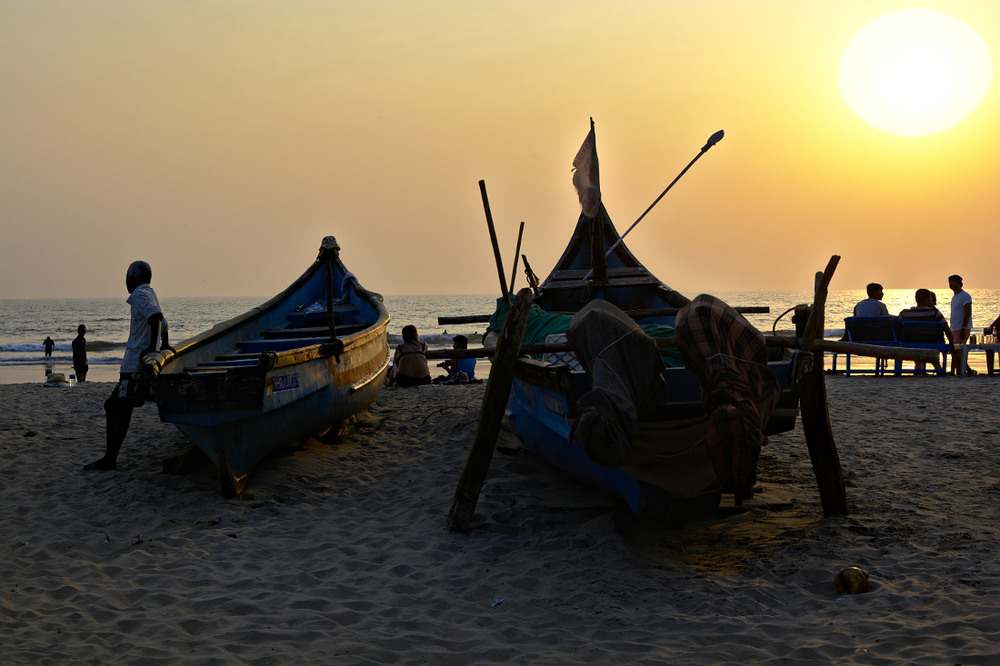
x: 881, y: 331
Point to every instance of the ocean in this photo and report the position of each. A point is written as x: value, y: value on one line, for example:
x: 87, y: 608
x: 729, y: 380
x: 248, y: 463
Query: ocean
x: 25, y: 323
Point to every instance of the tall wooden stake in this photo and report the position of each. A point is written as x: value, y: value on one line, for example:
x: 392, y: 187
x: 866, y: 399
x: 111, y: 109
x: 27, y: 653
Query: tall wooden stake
x: 517, y: 253
x: 815, y: 410
x: 493, y: 239
x: 470, y: 484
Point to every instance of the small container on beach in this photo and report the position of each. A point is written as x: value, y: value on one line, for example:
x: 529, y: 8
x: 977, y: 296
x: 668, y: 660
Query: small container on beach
x: 72, y: 380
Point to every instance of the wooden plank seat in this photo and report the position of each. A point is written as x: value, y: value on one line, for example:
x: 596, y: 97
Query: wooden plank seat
x: 230, y: 363
x: 201, y: 370
x: 311, y: 331
x: 279, y: 344
x: 580, y: 273
x: 344, y: 313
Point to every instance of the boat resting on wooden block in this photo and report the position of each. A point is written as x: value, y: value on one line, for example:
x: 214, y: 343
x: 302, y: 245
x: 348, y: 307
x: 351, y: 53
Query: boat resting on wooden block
x: 275, y: 375
x: 674, y: 460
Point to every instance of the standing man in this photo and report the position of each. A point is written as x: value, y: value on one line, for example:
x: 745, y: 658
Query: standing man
x: 48, y: 344
x: 80, y: 354
x: 873, y: 305
x: 146, y: 326
x: 961, y: 318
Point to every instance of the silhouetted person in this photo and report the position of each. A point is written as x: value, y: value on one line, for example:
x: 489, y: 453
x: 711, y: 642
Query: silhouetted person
x: 455, y: 366
x: 48, y: 345
x: 873, y: 305
x: 961, y: 318
x: 80, y: 354
x: 409, y: 364
x: 925, y: 311
x: 995, y: 327
x: 147, y: 324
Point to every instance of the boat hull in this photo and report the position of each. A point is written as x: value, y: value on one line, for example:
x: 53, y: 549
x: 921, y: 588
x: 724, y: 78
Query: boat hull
x: 238, y: 440
x: 540, y: 411
x: 270, y: 378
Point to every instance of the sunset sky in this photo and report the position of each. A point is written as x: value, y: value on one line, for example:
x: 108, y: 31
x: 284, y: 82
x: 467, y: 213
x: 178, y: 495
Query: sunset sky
x: 221, y: 140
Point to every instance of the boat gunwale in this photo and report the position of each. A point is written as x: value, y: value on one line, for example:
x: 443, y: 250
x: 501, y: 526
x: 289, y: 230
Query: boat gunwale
x: 285, y: 357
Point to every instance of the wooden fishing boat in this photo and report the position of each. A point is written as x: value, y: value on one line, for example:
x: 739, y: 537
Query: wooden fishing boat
x: 668, y: 466
x: 295, y: 366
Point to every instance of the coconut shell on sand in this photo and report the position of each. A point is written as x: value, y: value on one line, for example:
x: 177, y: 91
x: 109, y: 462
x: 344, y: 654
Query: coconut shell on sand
x: 338, y: 553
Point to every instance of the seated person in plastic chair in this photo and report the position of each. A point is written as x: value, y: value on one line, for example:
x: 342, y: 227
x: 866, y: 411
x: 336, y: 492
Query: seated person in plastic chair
x: 873, y: 305
x: 925, y: 311
x: 993, y: 330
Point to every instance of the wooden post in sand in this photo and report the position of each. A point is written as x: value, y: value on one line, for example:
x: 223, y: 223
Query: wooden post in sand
x: 815, y: 412
x: 470, y: 484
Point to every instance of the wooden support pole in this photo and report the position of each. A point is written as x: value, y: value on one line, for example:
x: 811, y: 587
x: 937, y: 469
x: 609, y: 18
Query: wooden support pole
x: 470, y: 484
x: 814, y: 325
x: 464, y: 319
x: 493, y: 239
x: 635, y: 314
x: 784, y: 341
x: 815, y: 410
x: 517, y: 253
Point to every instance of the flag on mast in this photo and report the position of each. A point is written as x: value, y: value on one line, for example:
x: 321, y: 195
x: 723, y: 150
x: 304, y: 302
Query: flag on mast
x: 586, y: 178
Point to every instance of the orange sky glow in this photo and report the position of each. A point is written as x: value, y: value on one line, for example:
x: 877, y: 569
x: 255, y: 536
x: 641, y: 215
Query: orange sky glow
x: 221, y: 140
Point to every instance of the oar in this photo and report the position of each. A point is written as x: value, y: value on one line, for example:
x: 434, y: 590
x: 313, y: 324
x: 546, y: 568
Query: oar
x: 712, y: 140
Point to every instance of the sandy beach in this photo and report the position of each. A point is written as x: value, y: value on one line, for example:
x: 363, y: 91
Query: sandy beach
x: 339, y: 553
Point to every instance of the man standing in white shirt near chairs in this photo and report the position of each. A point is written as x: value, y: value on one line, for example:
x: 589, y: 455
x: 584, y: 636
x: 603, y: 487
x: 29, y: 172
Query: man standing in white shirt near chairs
x: 961, y: 319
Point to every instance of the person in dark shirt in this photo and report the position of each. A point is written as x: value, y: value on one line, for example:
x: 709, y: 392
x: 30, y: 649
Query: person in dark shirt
x: 48, y: 344
x: 80, y: 354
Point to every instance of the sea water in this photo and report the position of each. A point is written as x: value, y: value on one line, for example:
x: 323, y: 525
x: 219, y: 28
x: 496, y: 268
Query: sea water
x: 24, y: 323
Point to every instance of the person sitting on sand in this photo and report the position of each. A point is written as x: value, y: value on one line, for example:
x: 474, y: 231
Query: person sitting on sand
x: 409, y: 364
x: 80, y: 365
x: 460, y: 369
x: 147, y: 324
x: 873, y: 305
x: 924, y: 311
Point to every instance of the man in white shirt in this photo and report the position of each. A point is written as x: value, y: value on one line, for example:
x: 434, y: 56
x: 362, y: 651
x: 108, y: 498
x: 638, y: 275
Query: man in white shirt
x: 873, y: 305
x: 147, y: 324
x: 961, y: 317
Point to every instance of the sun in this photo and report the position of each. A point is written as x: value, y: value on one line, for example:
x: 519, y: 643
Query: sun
x: 915, y: 72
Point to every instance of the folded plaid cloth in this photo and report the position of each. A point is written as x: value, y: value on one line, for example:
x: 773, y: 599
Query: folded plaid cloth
x: 739, y: 392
